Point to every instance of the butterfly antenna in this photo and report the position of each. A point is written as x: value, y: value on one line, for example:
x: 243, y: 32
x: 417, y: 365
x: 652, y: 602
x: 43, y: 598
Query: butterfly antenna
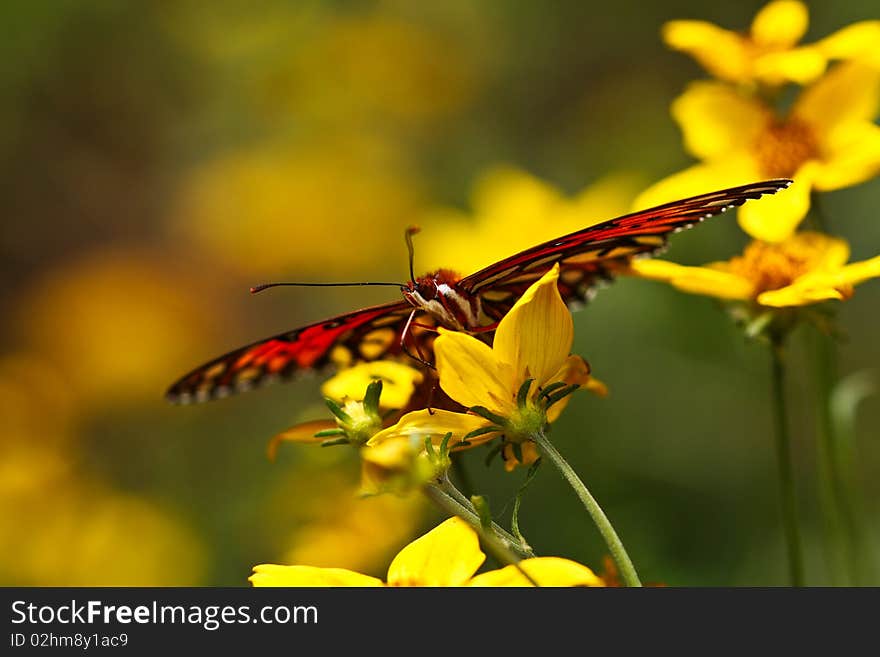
x: 408, y: 236
x: 265, y: 286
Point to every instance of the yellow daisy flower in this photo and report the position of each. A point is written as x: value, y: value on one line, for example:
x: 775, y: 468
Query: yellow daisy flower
x: 828, y: 140
x: 523, y: 380
x: 448, y: 555
x: 804, y: 269
x: 768, y: 53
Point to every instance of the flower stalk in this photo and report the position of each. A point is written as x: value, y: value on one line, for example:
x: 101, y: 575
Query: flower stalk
x: 612, y: 540
x: 785, y: 470
x: 501, y: 549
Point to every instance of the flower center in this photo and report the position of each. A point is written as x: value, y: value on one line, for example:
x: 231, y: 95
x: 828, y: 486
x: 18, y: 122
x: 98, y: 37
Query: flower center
x: 784, y: 146
x: 774, y: 266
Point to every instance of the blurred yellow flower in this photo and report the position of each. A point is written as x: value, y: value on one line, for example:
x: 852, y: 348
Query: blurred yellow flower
x: 114, y: 323
x: 859, y: 42
x: 327, y: 210
x: 352, y: 67
x: 804, y: 269
x: 448, y: 555
x: 768, y: 53
x: 57, y: 529
x: 334, y: 527
x: 827, y: 141
x: 512, y: 211
x: 398, y: 382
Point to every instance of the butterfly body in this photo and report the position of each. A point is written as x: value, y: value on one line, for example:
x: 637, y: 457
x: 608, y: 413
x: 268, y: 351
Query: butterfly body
x: 474, y: 303
x: 438, y: 295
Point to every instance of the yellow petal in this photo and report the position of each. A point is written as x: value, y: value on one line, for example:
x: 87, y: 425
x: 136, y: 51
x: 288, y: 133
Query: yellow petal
x: 774, y: 218
x: 721, y: 52
x: 575, y: 370
x: 829, y: 253
x: 739, y: 169
x: 858, y: 272
x: 849, y: 93
x: 446, y: 556
x: 393, y: 466
x: 696, y: 280
x: 471, y: 374
x: 852, y: 157
x: 535, y: 337
x: 780, y: 24
x: 435, y: 423
x: 860, y: 41
x: 597, y: 387
x: 546, y: 571
x: 300, y: 433
x: 717, y: 120
x: 799, y: 295
x: 801, y: 65
x: 392, y: 453
x: 528, y: 450
x: 398, y: 382
x: 273, y: 575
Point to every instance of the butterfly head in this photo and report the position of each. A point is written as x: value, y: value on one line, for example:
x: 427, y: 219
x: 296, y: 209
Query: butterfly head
x: 437, y: 294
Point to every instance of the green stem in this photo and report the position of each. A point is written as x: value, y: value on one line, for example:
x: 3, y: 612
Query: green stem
x: 786, y: 478
x: 516, y: 545
x: 838, y: 520
x: 498, y: 547
x: 615, y: 546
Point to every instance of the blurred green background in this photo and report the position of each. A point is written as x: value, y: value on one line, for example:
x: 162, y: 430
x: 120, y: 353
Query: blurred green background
x: 158, y: 158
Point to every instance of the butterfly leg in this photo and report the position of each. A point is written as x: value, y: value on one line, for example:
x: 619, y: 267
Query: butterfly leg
x: 407, y: 331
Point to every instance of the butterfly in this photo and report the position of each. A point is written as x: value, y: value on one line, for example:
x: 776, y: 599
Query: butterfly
x: 474, y: 303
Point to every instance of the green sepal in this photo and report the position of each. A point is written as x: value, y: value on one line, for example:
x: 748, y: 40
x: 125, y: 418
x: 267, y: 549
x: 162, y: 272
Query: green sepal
x: 482, y: 431
x: 551, y: 388
x: 517, y: 451
x: 371, y: 397
x: 327, y: 433
x: 523, y: 393
x: 560, y: 394
x: 494, y: 450
x: 759, y: 324
x: 336, y: 409
x: 484, y: 412
x: 444, y: 445
x: 481, y: 506
x: 335, y: 441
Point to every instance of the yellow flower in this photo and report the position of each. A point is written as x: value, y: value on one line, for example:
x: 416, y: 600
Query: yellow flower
x: 416, y: 449
x: 859, y: 42
x: 768, y: 53
x: 522, y: 382
x: 448, y: 555
x: 398, y: 382
x: 513, y: 210
x: 827, y: 141
x: 806, y: 268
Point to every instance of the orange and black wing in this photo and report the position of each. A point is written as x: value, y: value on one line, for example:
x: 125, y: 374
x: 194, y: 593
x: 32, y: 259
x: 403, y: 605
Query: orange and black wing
x: 593, y: 255
x: 362, y: 335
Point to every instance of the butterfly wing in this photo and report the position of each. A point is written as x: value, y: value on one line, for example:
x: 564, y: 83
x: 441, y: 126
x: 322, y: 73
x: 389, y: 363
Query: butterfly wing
x: 593, y: 255
x: 367, y: 334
